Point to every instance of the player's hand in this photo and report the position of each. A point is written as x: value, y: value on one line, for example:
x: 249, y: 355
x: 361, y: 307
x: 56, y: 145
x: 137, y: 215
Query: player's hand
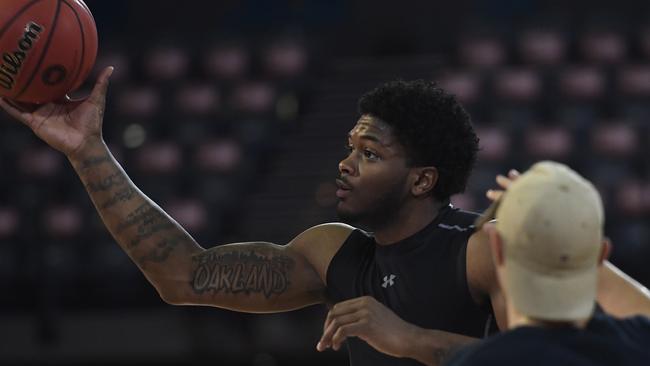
x: 371, y: 321
x: 67, y: 125
x: 503, y: 182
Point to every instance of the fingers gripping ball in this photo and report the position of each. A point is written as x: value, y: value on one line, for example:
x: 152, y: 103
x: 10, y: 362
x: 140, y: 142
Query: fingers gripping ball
x: 47, y: 48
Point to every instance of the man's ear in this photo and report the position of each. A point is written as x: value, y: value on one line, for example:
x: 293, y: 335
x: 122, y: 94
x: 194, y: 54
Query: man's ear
x: 496, y: 244
x: 605, y: 250
x: 424, y: 180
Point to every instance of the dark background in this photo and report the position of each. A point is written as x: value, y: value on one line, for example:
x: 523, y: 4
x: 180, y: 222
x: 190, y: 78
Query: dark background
x: 232, y: 115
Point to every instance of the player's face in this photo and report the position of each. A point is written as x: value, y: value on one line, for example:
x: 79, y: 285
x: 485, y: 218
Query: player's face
x: 373, y: 177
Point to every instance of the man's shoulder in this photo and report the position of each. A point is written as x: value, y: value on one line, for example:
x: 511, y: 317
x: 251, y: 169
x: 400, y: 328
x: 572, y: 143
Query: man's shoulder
x: 496, y: 350
x: 637, y: 327
x: 320, y: 243
x: 609, y: 340
x: 327, y: 235
x: 458, y: 220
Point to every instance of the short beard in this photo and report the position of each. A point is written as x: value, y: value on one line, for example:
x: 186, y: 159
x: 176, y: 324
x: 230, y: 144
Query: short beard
x: 380, y: 214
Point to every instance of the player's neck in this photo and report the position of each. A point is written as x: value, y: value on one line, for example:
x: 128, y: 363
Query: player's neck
x: 410, y: 219
x: 516, y: 319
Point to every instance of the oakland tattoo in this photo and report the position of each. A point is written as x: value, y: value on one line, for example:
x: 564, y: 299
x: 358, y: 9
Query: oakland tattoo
x: 242, y: 272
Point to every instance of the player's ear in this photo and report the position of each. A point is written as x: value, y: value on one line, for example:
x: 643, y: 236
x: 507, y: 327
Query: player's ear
x: 424, y: 180
x: 496, y: 244
x: 605, y: 250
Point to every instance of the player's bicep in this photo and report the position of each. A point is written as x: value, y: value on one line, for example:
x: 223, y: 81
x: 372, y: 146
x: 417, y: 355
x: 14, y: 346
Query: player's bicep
x: 252, y: 277
x: 481, y: 276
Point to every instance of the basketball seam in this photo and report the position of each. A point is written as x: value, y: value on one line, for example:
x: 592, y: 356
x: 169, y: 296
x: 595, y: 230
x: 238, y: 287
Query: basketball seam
x: 45, y: 48
x: 83, y: 45
x: 18, y: 14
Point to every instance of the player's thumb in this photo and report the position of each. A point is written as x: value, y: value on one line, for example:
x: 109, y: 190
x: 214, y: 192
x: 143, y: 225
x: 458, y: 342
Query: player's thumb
x: 98, y: 94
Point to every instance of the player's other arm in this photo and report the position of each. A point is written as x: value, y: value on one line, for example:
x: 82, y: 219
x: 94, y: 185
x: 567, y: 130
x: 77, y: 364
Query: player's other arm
x: 620, y: 295
x: 369, y: 320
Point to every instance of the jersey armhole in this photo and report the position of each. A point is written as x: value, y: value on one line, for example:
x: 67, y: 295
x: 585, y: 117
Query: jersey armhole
x: 332, y: 275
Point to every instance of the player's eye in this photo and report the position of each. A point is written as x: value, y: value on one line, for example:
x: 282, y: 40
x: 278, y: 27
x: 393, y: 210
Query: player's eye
x: 368, y: 154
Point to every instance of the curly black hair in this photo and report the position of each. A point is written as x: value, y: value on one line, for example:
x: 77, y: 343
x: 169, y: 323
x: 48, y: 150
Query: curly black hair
x: 433, y: 127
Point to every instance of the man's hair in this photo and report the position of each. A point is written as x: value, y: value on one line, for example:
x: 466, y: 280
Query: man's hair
x: 433, y: 127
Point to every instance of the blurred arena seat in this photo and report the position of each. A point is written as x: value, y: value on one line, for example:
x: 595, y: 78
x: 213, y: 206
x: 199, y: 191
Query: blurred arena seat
x: 285, y: 59
x: 517, y: 85
x: 481, y: 51
x: 63, y: 221
x: 603, y: 46
x: 167, y: 63
x: 197, y: 99
x: 584, y: 83
x: 542, y: 47
x: 10, y: 218
x: 495, y: 143
x: 228, y: 61
x: 253, y: 98
x: 190, y: 212
x: 465, y: 85
x: 220, y: 156
x: 633, y: 80
x: 137, y: 101
x: 40, y: 162
x: 548, y: 142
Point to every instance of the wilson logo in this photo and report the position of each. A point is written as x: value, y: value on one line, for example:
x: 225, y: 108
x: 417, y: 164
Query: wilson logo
x: 12, y: 62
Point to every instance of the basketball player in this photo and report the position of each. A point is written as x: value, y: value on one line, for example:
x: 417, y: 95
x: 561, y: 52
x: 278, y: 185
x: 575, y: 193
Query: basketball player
x: 420, y: 285
x: 547, y: 245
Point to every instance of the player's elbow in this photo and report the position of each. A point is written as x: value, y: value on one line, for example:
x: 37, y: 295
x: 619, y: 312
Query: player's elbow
x: 170, y: 296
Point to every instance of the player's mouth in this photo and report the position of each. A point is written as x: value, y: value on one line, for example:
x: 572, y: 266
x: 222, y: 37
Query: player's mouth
x: 344, y: 188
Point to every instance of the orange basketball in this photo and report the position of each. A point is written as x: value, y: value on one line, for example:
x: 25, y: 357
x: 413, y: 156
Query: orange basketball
x: 48, y: 47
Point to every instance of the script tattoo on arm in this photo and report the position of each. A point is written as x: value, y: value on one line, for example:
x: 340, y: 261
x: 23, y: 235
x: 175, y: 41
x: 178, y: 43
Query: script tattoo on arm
x: 149, y: 221
x: 95, y: 161
x: 162, y: 249
x: 122, y: 195
x: 113, y: 180
x: 241, y: 272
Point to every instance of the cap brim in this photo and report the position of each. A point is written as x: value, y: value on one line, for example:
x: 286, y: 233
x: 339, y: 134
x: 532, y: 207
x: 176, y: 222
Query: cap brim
x: 570, y: 296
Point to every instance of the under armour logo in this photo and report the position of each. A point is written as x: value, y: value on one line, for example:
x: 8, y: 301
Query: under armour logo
x: 388, y: 281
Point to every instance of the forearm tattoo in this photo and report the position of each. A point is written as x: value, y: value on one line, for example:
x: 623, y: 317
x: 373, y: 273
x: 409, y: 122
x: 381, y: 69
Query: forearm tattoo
x: 122, y: 195
x: 149, y: 221
x: 144, y: 222
x: 105, y: 184
x: 94, y: 161
x: 160, y: 253
x: 242, y: 272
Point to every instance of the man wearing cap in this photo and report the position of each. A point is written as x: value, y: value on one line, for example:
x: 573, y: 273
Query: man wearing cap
x: 547, y: 244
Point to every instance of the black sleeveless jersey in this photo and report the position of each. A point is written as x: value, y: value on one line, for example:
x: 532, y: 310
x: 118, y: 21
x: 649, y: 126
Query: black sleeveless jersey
x: 421, y: 278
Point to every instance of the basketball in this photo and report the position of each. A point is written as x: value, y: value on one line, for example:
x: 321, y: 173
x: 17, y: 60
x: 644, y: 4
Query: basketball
x: 48, y: 48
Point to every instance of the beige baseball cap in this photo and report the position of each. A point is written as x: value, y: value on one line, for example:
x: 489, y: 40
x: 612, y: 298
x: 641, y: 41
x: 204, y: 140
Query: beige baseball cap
x: 551, y: 223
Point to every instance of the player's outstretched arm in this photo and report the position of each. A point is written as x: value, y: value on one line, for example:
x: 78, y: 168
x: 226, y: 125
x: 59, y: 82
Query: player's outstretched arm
x: 255, y: 277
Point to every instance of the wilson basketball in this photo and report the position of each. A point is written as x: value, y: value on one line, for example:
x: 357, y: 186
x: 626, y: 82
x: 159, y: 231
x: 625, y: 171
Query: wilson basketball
x: 48, y: 48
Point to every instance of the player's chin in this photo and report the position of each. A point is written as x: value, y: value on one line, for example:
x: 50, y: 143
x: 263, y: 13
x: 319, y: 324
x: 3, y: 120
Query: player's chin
x: 346, y: 212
